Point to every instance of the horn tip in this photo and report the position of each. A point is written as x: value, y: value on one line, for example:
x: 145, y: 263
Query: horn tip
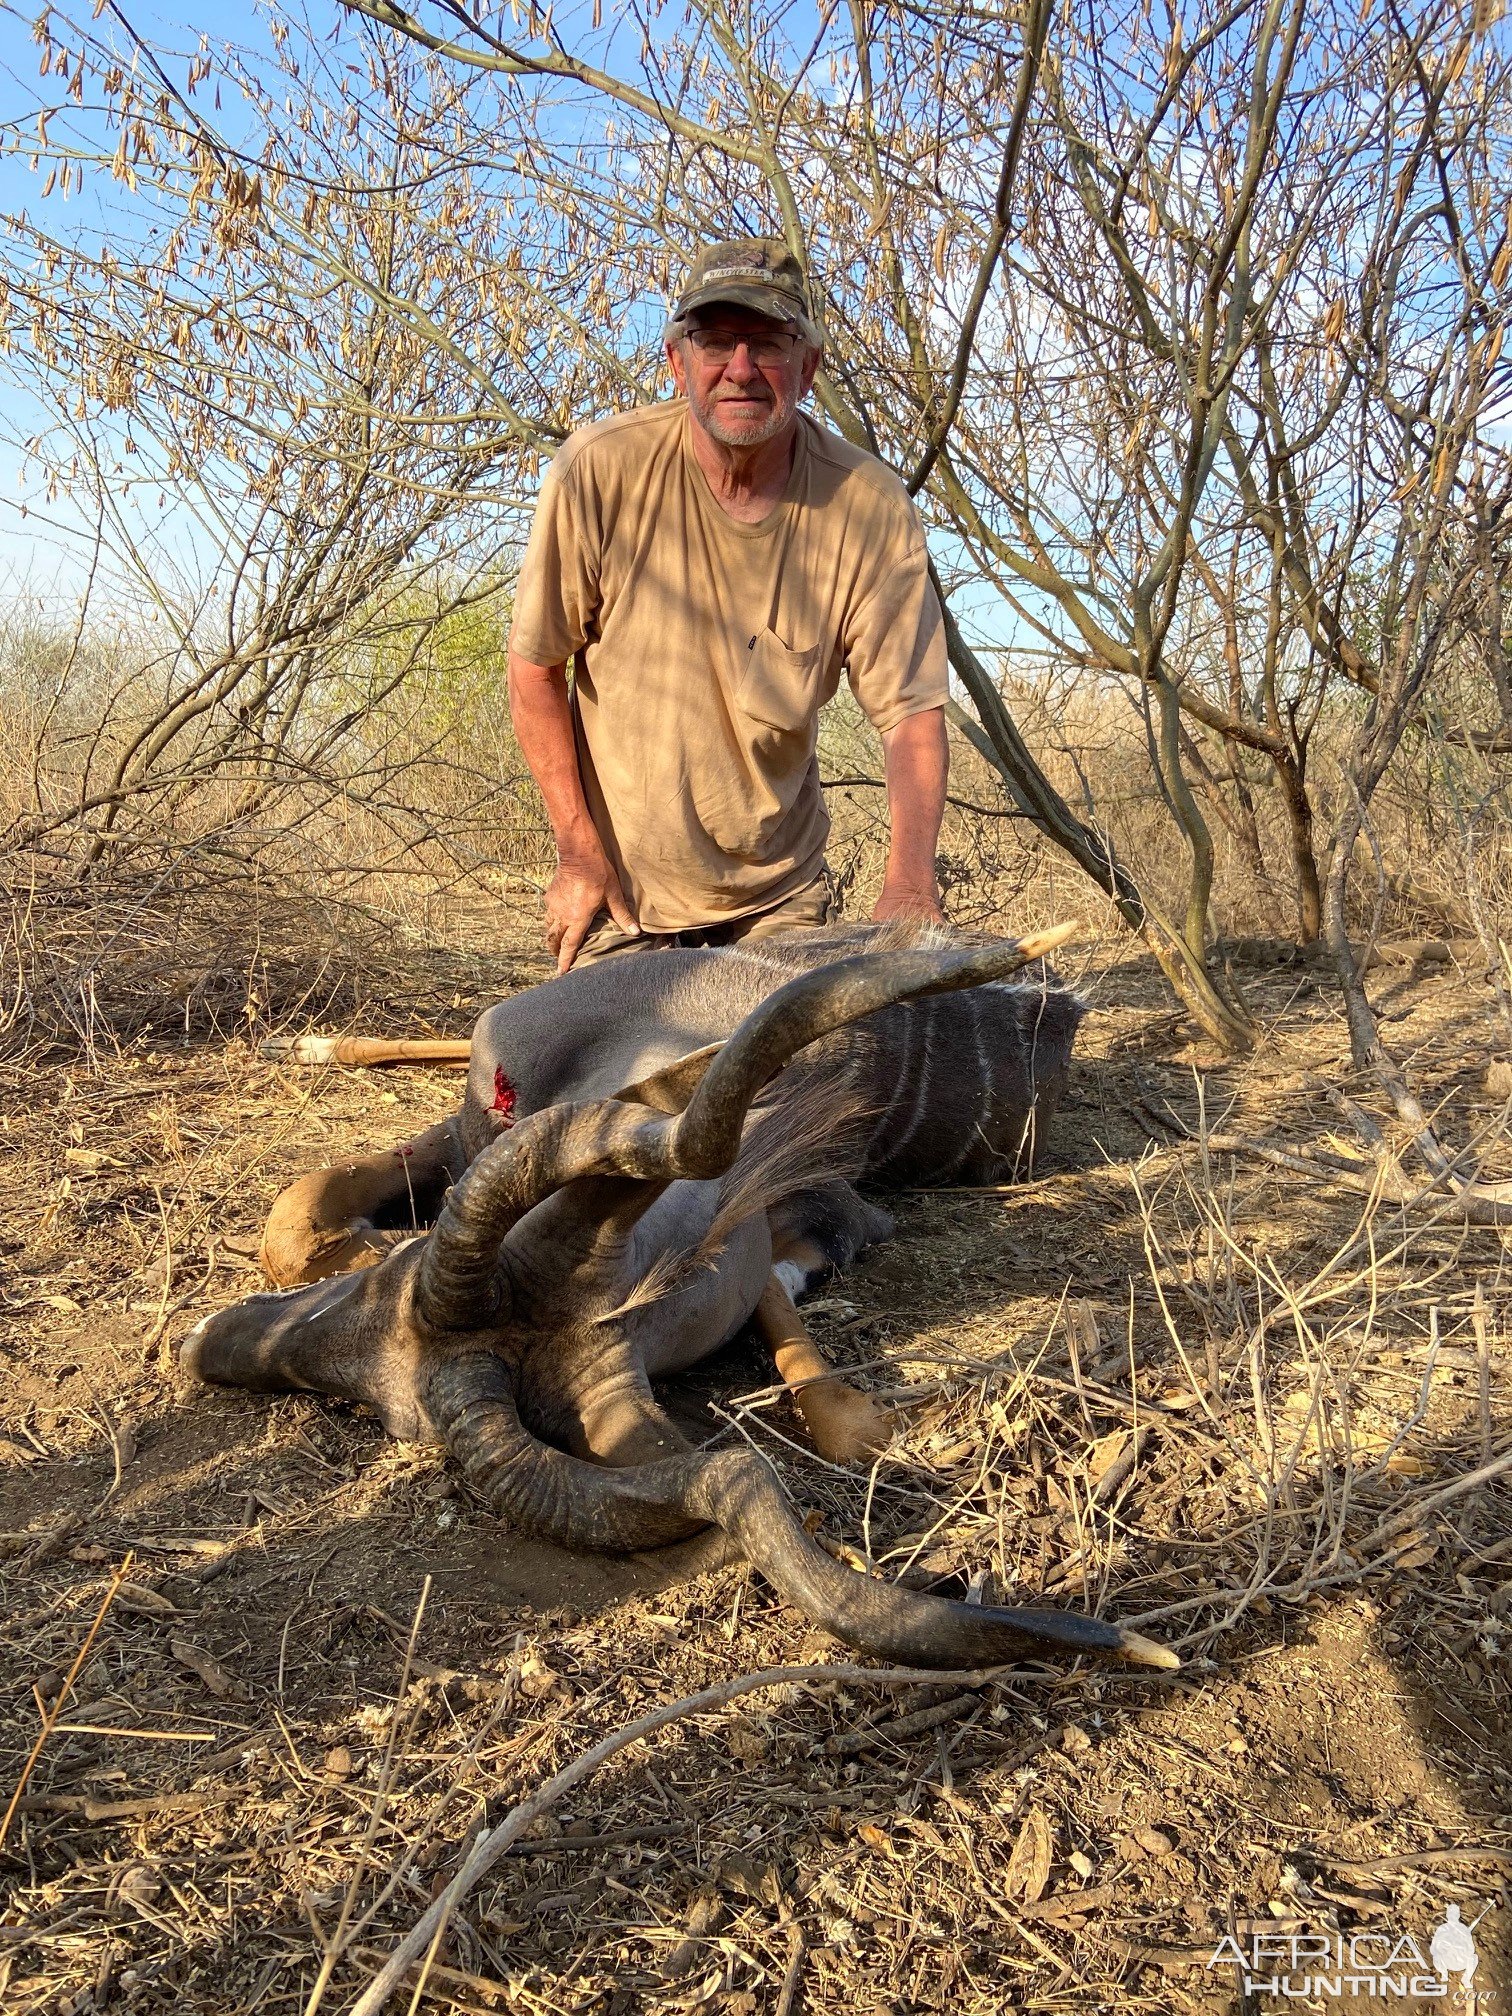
x: 1041, y: 942
x: 1142, y: 1651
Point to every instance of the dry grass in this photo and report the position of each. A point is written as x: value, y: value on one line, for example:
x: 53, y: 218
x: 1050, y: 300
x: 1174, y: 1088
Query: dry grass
x: 268, y: 1744
x: 259, y: 866
x: 90, y: 971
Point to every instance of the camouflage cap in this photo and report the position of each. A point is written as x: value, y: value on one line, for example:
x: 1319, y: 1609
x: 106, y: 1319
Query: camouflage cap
x: 756, y: 273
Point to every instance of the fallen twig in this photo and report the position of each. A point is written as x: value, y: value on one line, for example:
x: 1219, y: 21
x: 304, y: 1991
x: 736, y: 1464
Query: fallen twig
x: 1401, y: 1521
x: 1479, y: 1204
x: 789, y: 1991
x: 854, y: 1740
x: 122, y: 1809
x: 492, y: 1844
x: 367, y: 1050
x: 49, y: 1543
x: 1426, y: 1858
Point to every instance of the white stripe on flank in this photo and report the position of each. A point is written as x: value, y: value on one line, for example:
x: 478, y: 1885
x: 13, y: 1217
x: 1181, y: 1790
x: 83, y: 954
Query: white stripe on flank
x: 984, y: 1082
x: 923, y: 1012
x: 879, y: 1132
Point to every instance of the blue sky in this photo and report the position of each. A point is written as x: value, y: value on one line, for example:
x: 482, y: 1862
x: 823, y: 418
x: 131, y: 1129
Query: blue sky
x: 41, y: 554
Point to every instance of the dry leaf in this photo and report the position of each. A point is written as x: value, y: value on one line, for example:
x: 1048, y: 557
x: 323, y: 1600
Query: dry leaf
x: 1420, y: 1550
x: 141, y: 1601
x: 1105, y: 1453
x: 535, y: 1678
x: 138, y: 1887
x: 199, y: 1662
x: 703, y: 1916
x: 875, y: 1838
x: 1403, y: 1465
x: 905, y: 1542
x: 1028, y: 1868
x: 746, y: 1742
x: 89, y: 1159
x: 758, y: 1881
x: 1082, y: 1330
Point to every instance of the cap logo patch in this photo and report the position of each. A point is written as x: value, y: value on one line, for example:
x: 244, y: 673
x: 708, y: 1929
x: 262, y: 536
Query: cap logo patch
x: 738, y: 273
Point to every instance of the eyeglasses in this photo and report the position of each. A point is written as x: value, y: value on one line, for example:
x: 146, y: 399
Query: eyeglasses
x: 718, y: 346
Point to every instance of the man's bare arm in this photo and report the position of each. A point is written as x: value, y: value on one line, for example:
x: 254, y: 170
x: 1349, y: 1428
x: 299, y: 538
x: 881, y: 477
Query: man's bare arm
x: 584, y: 883
x: 918, y: 763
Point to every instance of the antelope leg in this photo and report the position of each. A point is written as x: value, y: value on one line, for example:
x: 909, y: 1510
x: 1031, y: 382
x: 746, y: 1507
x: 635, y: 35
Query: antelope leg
x: 369, y: 1049
x: 846, y: 1425
x: 327, y: 1222
x: 620, y: 1424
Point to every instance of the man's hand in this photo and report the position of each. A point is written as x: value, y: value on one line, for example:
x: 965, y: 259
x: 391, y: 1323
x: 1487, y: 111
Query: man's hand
x: 898, y: 901
x: 583, y: 885
x: 918, y: 759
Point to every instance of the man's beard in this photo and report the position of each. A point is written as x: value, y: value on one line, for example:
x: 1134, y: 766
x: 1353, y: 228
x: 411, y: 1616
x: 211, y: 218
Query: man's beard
x: 740, y: 433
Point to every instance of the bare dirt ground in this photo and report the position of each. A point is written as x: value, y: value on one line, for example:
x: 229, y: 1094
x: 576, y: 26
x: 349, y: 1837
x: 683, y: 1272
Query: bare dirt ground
x: 242, y: 1780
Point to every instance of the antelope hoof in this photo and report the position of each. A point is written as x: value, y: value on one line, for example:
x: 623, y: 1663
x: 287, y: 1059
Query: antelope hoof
x: 845, y: 1426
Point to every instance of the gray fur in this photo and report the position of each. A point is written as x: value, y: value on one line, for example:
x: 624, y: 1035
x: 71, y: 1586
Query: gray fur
x: 961, y: 1087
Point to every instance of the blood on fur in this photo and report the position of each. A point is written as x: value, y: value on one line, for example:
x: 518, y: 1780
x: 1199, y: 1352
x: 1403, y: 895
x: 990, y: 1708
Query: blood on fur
x: 505, y: 1096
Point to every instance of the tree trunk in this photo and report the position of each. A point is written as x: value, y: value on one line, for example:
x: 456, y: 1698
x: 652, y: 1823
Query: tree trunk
x: 996, y: 737
x: 1299, y: 819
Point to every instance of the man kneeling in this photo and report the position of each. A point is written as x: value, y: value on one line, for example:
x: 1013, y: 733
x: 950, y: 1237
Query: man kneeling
x: 711, y: 565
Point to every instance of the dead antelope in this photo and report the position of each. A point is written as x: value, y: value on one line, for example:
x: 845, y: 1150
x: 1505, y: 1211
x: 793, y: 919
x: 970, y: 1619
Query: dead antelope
x: 634, y: 1175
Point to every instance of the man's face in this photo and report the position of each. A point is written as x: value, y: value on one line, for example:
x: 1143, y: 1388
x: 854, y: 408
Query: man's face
x: 743, y: 373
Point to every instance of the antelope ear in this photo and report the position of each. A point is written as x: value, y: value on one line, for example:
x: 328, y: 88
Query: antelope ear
x: 669, y: 1089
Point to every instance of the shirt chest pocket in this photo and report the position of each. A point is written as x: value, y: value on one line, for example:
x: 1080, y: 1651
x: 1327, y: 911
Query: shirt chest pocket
x: 780, y: 687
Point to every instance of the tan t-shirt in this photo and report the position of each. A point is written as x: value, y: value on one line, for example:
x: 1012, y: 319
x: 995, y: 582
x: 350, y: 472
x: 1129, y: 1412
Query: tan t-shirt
x: 705, y: 648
